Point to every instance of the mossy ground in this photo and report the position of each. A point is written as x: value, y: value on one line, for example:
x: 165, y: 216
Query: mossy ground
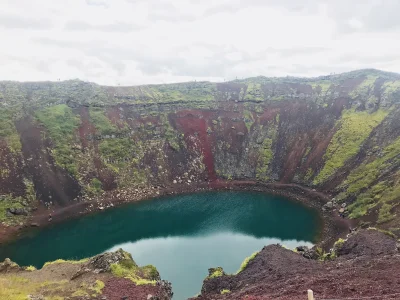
x: 353, y: 128
x: 52, y: 280
x: 246, y: 262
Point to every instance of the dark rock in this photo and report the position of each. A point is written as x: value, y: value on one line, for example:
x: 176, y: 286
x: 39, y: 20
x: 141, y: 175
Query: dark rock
x: 165, y: 292
x: 310, y: 254
x: 18, y: 211
x: 301, y: 248
x: 9, y: 266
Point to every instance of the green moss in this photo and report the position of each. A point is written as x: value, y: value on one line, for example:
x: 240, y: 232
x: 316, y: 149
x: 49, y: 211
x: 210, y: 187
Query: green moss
x: 98, y: 287
x: 80, y: 293
x: 218, y: 272
x: 17, y: 288
x: 321, y: 87
x: 360, y: 182
x: 309, y: 174
x: 266, y: 153
x: 61, y: 125
x: 225, y: 291
x: 8, y: 131
x: 363, y: 176
x: 339, y: 243
x: 387, y: 232
x: 30, y: 268
x: 365, y: 88
x: 127, y: 268
x: 384, y: 213
x: 353, y: 129
x: 95, y: 187
x: 62, y: 261
x: 7, y: 202
x: 102, y: 124
x: 248, y: 119
x: 114, y: 151
x: 246, y: 262
x: 254, y: 92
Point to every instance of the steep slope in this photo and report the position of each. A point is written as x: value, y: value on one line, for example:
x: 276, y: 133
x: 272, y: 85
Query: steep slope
x: 63, y: 142
x: 366, y: 265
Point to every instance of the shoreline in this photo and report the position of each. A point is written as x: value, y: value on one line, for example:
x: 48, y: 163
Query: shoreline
x: 332, y: 226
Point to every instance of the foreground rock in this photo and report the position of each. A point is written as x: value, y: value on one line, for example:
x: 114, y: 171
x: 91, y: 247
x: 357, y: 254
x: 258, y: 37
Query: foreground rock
x: 108, y: 276
x: 366, y: 264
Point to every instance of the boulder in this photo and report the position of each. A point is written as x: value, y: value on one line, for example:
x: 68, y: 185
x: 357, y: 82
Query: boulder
x: 102, y: 262
x: 301, y: 248
x: 18, y: 211
x: 310, y: 254
x: 9, y: 266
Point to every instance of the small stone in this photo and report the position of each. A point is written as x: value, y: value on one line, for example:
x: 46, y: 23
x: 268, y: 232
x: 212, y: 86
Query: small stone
x: 344, y: 205
x: 329, y: 204
x: 174, y: 181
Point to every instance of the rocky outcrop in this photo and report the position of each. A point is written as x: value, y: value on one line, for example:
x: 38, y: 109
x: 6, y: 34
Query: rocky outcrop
x: 367, y: 264
x: 9, y: 266
x: 108, y: 276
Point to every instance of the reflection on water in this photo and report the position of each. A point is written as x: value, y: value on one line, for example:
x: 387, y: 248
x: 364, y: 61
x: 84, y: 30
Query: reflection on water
x: 184, y: 260
x: 182, y: 236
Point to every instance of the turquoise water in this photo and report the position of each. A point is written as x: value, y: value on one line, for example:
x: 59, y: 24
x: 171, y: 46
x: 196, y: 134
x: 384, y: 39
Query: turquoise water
x: 182, y: 236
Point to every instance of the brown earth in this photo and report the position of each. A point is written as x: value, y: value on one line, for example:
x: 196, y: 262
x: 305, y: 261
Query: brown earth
x: 368, y: 265
x: 77, y: 280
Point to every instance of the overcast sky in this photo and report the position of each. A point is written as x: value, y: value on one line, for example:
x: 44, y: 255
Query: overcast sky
x: 157, y: 41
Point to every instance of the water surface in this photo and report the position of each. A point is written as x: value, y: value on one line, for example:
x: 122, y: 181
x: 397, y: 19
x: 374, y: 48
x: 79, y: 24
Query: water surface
x: 181, y: 235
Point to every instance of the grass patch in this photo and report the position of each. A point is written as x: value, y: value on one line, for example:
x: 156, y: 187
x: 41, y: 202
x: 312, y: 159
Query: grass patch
x: 17, y: 288
x: 8, y: 130
x: 387, y: 232
x: 61, y: 261
x: 98, y: 287
x: 362, y: 179
x: 30, y: 268
x: 384, y: 213
x: 217, y: 272
x: 246, y: 262
x: 100, y: 121
x: 61, y: 125
x: 225, y: 291
x: 8, y: 201
x: 127, y: 268
x: 353, y: 128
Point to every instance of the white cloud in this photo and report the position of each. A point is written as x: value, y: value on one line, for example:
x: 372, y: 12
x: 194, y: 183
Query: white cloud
x: 156, y: 41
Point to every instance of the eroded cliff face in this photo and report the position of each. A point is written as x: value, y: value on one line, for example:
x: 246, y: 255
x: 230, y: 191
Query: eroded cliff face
x: 62, y: 142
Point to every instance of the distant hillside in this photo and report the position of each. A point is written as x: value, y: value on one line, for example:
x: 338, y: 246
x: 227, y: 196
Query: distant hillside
x: 72, y: 140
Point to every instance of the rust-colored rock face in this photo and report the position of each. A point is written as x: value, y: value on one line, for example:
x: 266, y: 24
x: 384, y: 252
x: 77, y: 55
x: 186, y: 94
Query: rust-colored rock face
x: 74, y: 141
